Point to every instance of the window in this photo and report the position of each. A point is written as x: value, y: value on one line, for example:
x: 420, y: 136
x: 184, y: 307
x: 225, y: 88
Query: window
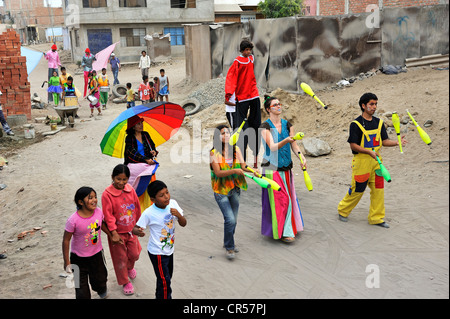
x: 133, y: 3
x: 176, y: 35
x: 183, y: 4
x: 94, y: 3
x: 132, y: 37
x: 77, y: 38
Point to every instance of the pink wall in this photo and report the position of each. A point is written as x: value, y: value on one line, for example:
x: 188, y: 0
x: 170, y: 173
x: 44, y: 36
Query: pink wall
x: 312, y: 4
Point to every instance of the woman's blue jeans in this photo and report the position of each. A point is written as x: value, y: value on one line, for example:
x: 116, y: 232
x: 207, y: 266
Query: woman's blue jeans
x: 229, y: 205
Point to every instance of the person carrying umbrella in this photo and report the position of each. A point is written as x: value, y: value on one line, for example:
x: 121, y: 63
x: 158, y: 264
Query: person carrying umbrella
x: 140, y: 156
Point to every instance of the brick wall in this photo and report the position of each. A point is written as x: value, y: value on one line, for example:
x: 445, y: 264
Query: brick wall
x: 337, y: 7
x: 34, y: 12
x: 16, y: 98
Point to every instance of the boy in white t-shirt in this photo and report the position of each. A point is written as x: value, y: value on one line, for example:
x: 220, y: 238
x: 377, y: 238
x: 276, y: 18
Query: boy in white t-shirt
x: 160, y: 218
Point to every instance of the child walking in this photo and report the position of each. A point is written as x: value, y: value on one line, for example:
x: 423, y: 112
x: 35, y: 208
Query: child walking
x: 103, y: 86
x: 152, y: 93
x: 163, y: 85
x: 130, y: 96
x: 121, y: 209
x: 156, y: 87
x: 160, y: 218
x: 93, y: 90
x: 82, y: 234
x: 144, y: 90
x: 55, y: 87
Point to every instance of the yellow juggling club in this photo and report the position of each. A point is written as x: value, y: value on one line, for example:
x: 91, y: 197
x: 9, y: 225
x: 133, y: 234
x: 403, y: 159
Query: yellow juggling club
x: 308, y: 182
x: 422, y: 133
x: 298, y: 136
x: 307, y: 89
x: 274, y: 185
x: 234, y: 138
x: 396, y: 123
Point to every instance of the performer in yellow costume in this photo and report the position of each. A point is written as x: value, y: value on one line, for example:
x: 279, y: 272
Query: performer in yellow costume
x: 367, y: 135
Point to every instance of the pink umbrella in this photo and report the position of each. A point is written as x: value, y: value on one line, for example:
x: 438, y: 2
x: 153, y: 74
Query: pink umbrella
x: 103, y: 57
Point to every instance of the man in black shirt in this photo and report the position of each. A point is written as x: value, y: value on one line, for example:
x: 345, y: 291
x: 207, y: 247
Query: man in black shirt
x: 367, y: 135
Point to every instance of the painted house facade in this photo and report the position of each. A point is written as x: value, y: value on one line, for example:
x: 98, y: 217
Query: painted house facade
x: 99, y: 23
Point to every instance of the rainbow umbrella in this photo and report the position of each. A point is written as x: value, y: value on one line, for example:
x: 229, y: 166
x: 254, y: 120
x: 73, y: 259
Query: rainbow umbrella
x: 161, y: 120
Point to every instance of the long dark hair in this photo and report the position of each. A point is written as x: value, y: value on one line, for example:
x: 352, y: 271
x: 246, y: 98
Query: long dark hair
x: 218, y: 144
x: 81, y: 194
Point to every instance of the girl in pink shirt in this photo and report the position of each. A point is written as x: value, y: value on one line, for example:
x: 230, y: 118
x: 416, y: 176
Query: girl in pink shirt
x: 122, y: 210
x: 82, y: 234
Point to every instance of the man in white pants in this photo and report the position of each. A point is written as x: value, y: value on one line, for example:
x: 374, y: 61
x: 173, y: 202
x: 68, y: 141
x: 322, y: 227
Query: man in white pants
x: 144, y: 63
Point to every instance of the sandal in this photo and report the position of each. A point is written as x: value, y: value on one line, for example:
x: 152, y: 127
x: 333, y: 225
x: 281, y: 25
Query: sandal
x: 132, y: 273
x: 128, y: 289
x: 288, y: 239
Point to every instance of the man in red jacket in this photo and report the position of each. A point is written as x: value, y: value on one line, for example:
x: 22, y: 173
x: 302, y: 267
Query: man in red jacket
x: 241, y: 81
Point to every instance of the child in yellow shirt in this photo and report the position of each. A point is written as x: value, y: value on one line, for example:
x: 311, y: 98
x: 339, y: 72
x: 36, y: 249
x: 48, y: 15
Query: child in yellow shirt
x: 130, y: 96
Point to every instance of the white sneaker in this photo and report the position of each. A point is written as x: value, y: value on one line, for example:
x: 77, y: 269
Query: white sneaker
x: 230, y: 254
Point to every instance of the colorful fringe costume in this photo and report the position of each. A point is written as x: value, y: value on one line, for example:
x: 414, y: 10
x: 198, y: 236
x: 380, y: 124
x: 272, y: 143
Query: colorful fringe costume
x: 281, y: 215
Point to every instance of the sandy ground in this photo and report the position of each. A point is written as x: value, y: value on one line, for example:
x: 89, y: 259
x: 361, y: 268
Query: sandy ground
x: 329, y: 259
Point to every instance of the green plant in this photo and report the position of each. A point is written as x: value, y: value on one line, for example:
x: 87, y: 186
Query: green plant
x: 280, y: 8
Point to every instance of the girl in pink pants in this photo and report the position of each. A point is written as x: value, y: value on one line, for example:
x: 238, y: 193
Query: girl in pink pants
x: 121, y: 209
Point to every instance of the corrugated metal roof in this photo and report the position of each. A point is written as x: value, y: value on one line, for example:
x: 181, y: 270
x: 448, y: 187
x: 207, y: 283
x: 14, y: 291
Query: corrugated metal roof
x: 227, y: 8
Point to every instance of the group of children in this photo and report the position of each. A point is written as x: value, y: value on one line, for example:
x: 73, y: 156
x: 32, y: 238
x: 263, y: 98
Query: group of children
x: 150, y: 91
x: 98, y: 88
x: 57, y: 85
x: 123, y: 222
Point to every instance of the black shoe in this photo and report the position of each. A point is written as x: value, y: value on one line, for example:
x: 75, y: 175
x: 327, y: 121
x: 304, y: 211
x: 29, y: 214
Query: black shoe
x: 383, y: 224
x: 2, y: 256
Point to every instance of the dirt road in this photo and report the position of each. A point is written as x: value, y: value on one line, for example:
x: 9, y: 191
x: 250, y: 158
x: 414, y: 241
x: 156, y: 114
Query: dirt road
x: 330, y: 259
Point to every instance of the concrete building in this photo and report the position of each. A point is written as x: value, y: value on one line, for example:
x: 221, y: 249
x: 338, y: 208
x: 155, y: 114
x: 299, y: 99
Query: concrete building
x: 236, y: 10
x: 99, y: 23
x: 33, y: 18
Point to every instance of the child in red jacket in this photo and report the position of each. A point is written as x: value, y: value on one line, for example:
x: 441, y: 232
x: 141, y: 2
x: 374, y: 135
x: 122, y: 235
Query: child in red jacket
x: 241, y: 81
x: 121, y: 210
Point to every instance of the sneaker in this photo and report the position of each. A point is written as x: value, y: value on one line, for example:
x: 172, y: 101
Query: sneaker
x: 383, y: 224
x: 342, y: 218
x: 10, y: 133
x: 236, y: 250
x: 230, y: 254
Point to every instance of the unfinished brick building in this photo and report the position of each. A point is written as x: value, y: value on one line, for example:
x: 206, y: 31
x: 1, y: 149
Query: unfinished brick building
x: 16, y: 98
